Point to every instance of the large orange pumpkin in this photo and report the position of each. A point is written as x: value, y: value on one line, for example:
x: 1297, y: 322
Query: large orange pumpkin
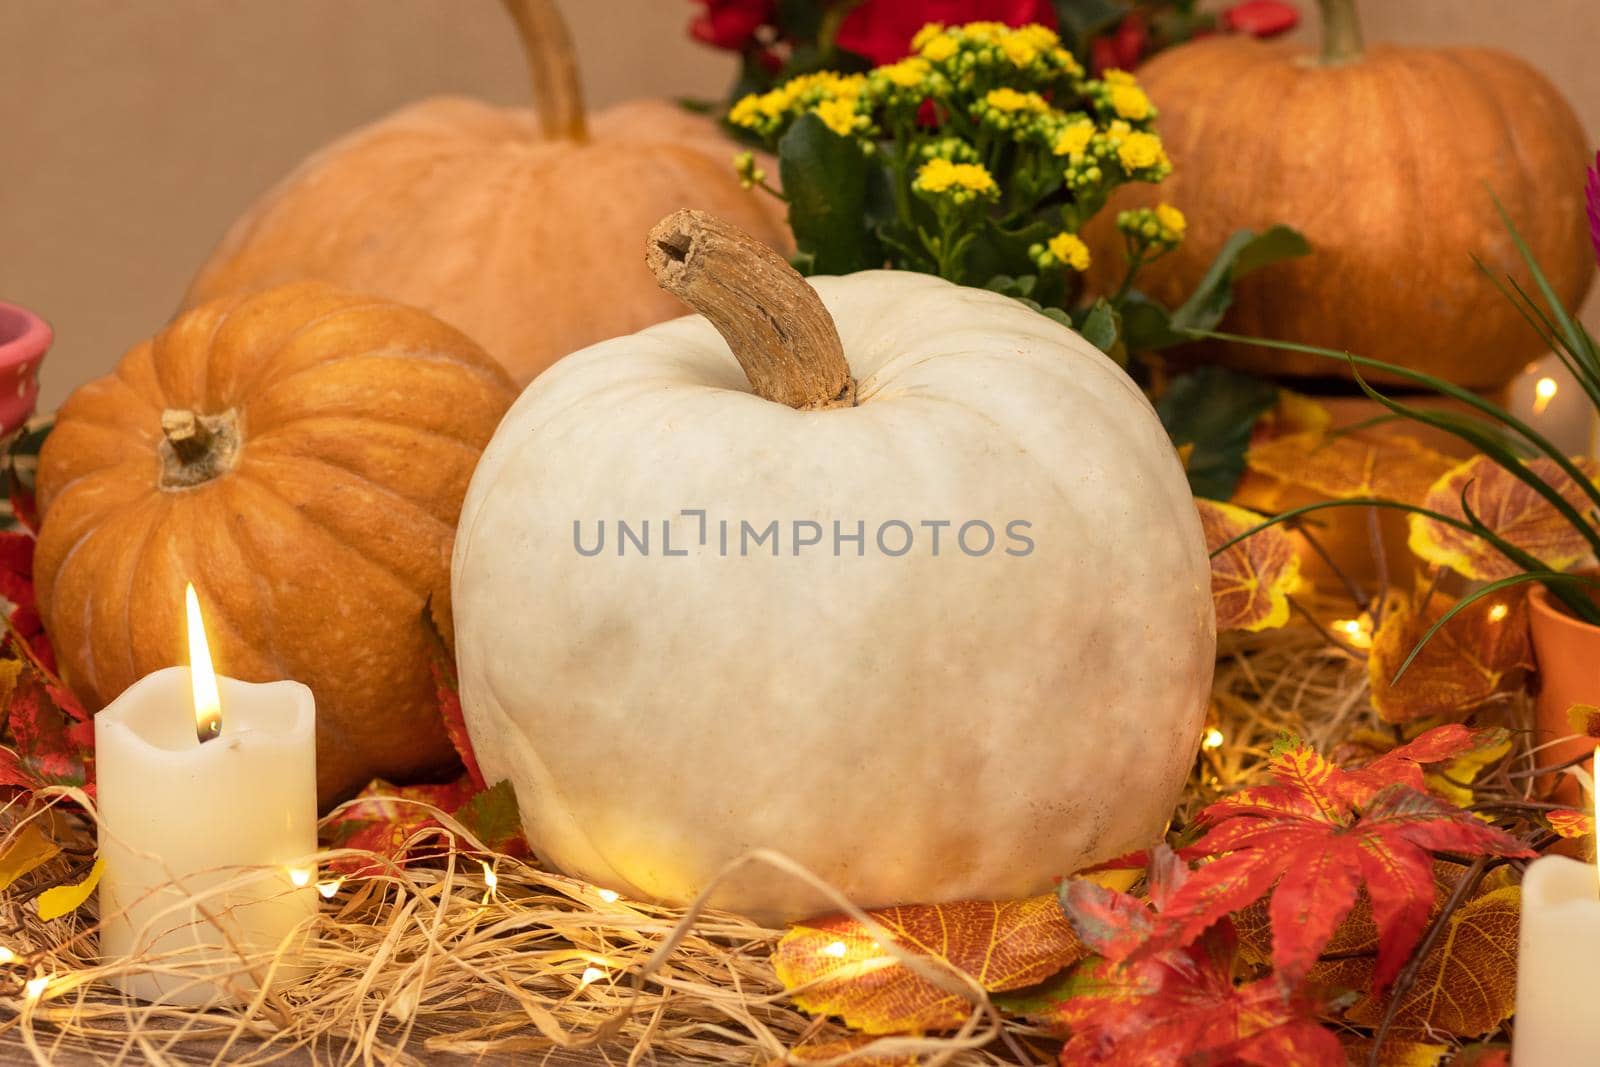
x: 1384, y: 159
x: 523, y: 232
x: 300, y: 455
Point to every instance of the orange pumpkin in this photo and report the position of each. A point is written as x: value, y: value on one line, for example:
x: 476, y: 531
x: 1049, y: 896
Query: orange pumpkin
x: 522, y: 232
x: 1384, y: 159
x: 300, y: 455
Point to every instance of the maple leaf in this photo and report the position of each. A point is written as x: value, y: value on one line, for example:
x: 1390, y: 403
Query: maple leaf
x: 1467, y: 984
x: 1569, y: 823
x: 1313, y: 838
x: 1479, y: 655
x: 1509, y: 507
x: 1250, y: 581
x: 1345, y: 466
x: 835, y: 965
x: 1176, y: 1006
x: 393, y: 822
x: 49, y: 738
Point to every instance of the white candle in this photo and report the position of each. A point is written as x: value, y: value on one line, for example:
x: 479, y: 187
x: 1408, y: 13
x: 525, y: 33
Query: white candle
x: 1558, y: 963
x: 239, y: 809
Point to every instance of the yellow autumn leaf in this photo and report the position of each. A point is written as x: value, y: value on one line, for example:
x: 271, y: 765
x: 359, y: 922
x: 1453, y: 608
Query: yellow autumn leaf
x: 834, y: 966
x: 819, y: 1050
x: 1478, y: 655
x: 1467, y: 984
x: 1509, y: 507
x: 1342, y: 466
x: 64, y: 899
x: 1584, y: 719
x: 1250, y: 581
x: 28, y: 848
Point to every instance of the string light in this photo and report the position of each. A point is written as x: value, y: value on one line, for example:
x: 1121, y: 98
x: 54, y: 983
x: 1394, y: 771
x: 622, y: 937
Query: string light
x: 300, y: 876
x: 35, y: 987
x: 7, y: 956
x: 1544, y: 391
x: 1356, y: 631
x: 328, y: 889
x: 1498, y: 612
x: 590, y: 976
x: 610, y: 896
x: 835, y: 948
x: 1213, y: 738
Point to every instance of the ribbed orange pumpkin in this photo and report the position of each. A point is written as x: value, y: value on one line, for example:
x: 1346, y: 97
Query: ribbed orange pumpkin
x: 1384, y: 159
x: 524, y: 233
x: 301, y: 456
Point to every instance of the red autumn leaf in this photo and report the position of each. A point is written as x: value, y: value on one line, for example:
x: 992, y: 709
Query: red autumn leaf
x: 1479, y: 655
x: 1571, y: 824
x: 1442, y: 744
x: 1177, y: 1006
x: 1511, y: 508
x: 1313, y: 838
x: 394, y: 822
x: 1251, y: 580
x: 446, y: 688
x: 46, y: 738
x: 836, y: 967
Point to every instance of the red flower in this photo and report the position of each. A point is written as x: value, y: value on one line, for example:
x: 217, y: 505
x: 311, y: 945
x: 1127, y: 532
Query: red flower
x: 1123, y: 47
x: 732, y: 24
x: 881, y: 30
x: 1592, y: 202
x: 1261, y: 18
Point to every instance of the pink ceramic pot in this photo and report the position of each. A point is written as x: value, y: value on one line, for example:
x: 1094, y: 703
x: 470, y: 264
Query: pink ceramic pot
x: 24, y: 339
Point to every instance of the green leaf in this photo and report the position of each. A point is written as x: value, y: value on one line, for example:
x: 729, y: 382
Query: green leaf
x: 1244, y: 252
x: 826, y: 177
x: 1146, y: 325
x: 1102, y: 326
x: 1215, y: 410
x: 492, y: 816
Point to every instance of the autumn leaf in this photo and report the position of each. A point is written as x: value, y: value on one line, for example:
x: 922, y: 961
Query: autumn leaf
x: 1479, y: 655
x: 447, y: 691
x: 392, y: 822
x: 1467, y: 984
x: 1510, y: 508
x: 1313, y: 838
x: 64, y: 899
x: 1571, y: 824
x: 1584, y: 719
x: 493, y: 818
x: 835, y: 966
x: 1176, y: 1006
x: 48, y: 739
x: 1250, y: 581
x: 818, y: 1051
x: 1396, y: 1053
x: 28, y: 848
x: 1293, y: 413
x: 1344, y: 466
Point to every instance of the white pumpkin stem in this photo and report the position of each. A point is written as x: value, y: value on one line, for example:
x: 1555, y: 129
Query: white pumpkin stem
x: 1341, y: 32
x: 553, y: 67
x: 772, y: 320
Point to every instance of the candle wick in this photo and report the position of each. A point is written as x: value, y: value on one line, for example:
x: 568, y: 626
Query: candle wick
x: 209, y: 728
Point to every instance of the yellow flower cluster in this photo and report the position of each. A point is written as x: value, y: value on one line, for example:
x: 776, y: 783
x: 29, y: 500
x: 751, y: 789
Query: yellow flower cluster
x: 957, y: 183
x: 1062, y: 250
x: 750, y: 173
x: 1121, y: 95
x: 1157, y: 229
x: 836, y: 98
x: 1032, y: 51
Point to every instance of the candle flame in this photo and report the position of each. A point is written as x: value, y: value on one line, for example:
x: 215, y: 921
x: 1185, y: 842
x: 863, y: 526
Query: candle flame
x: 207, y: 701
x: 1544, y: 391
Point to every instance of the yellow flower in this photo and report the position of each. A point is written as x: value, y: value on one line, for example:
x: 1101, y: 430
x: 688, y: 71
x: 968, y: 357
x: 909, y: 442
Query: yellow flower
x: 942, y: 176
x: 1041, y: 37
x: 1006, y: 99
x: 1066, y: 61
x: 750, y: 174
x: 1019, y: 50
x: 1074, y: 139
x: 940, y: 48
x: 906, y: 74
x: 758, y: 109
x: 1139, y: 151
x: 1119, y: 77
x: 1069, y: 249
x: 1130, y: 102
x: 1172, y: 220
x: 985, y: 32
x: 840, y: 116
x: 926, y: 34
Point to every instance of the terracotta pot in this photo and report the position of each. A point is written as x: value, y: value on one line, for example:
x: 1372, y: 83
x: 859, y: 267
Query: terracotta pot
x: 1568, y: 654
x: 24, y: 339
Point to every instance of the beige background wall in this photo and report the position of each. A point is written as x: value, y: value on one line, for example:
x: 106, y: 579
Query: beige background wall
x: 131, y: 133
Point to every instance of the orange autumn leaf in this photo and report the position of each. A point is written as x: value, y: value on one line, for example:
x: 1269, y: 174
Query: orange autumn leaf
x: 1252, y: 580
x: 1584, y: 719
x: 857, y: 1047
x: 1509, y: 507
x: 1342, y: 466
x: 835, y: 966
x: 1478, y: 656
x: 1569, y: 823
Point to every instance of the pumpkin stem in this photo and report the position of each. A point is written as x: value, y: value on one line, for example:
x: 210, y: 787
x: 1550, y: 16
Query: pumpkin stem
x: 772, y: 320
x: 1341, y: 32
x: 196, y: 448
x: 553, y: 67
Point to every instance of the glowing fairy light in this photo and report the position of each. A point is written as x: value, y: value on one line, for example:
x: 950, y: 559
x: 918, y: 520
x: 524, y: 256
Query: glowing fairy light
x: 1498, y: 612
x: 7, y: 956
x: 591, y: 975
x: 35, y: 987
x: 490, y: 881
x: 835, y: 948
x: 1358, y: 632
x: 610, y: 896
x: 300, y: 876
x: 329, y: 889
x: 1544, y: 391
x: 1213, y: 738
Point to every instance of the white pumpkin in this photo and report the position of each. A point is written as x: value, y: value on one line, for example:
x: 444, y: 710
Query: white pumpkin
x: 920, y: 727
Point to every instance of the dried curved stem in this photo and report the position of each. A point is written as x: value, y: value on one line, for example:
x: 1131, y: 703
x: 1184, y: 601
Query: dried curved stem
x: 772, y: 320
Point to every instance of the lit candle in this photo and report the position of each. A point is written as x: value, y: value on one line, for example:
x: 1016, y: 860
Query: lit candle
x: 205, y: 782
x: 1558, y: 963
